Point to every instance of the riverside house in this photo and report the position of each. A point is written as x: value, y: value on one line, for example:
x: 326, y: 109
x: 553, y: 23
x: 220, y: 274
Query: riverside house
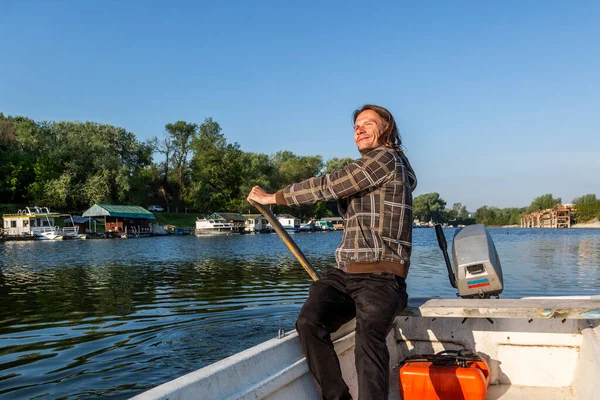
x: 256, y: 223
x: 289, y: 222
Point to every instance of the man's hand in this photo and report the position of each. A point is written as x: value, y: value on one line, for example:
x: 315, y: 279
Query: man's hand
x: 260, y: 196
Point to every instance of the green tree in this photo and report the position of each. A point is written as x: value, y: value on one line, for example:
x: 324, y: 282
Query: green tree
x: 543, y: 202
x: 461, y: 211
x: 321, y: 211
x: 179, y: 143
x: 589, y: 198
x: 336, y: 164
x: 165, y: 147
x: 50, y: 163
x: 16, y: 159
x: 452, y: 214
x: 257, y: 170
x: 430, y: 207
x: 486, y: 215
x: 458, y: 211
x: 13, y: 164
x: 587, y: 207
x: 216, y: 170
x: 493, y: 216
x: 292, y: 168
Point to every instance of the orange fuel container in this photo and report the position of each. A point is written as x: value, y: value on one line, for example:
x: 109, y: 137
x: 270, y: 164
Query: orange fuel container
x: 424, y: 380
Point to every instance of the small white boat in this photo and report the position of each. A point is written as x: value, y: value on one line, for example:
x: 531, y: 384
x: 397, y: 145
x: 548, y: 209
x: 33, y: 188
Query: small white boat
x: 545, y: 348
x: 214, y: 226
x: 47, y: 233
x: 531, y: 348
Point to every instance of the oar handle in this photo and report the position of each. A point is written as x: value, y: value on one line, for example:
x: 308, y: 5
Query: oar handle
x: 268, y: 214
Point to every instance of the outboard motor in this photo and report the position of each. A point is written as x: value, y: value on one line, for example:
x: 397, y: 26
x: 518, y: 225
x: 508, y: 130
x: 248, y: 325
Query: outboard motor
x: 477, y: 272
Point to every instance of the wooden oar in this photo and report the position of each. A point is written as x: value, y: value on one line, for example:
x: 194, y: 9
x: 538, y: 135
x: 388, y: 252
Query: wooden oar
x: 268, y: 214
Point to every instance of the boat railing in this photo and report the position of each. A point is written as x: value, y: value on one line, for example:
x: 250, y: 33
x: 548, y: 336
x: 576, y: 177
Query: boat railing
x: 70, y: 231
x: 36, y: 210
x: 45, y: 229
x: 21, y: 231
x: 223, y: 225
x: 134, y: 232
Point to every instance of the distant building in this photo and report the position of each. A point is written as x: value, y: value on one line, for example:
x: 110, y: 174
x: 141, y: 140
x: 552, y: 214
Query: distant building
x: 289, y: 221
x: 122, y: 219
x: 256, y: 223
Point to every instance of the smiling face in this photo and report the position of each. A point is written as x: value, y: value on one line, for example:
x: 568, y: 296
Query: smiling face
x: 367, y: 129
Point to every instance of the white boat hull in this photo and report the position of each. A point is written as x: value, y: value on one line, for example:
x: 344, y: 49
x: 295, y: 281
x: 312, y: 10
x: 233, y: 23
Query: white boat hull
x: 214, y: 227
x: 48, y: 236
x: 536, y: 348
x: 215, y: 231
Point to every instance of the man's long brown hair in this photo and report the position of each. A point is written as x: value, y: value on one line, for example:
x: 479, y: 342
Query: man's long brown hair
x: 390, y: 136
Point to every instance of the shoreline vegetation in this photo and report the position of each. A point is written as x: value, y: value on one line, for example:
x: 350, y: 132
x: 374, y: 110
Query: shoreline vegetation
x: 71, y: 165
x: 589, y: 224
x: 431, y: 207
x: 583, y: 225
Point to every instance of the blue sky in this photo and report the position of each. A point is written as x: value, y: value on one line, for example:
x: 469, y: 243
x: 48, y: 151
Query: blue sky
x: 497, y: 102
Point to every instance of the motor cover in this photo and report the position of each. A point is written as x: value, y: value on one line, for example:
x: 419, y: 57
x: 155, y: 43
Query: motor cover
x: 476, y: 263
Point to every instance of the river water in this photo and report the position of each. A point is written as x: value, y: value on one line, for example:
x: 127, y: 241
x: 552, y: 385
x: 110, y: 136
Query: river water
x: 111, y: 318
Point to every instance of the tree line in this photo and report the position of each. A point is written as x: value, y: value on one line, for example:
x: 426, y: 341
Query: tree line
x: 69, y: 166
x: 431, y: 207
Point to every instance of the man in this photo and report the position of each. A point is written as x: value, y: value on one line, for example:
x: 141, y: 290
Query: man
x: 375, y: 199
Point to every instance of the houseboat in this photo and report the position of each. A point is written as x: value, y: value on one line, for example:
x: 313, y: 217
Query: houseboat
x: 206, y: 226
x: 236, y: 220
x: 36, y: 223
x: 256, y: 223
x: 290, y: 223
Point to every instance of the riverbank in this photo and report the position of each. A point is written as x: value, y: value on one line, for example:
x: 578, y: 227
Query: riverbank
x: 179, y: 220
x: 589, y: 224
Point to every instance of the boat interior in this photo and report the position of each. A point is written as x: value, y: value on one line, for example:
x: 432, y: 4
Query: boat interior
x: 535, y: 348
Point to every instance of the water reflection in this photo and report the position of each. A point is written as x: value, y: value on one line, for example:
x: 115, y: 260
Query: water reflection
x: 109, y: 318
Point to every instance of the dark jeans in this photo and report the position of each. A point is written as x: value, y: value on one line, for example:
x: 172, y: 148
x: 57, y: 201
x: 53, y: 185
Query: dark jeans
x: 375, y: 300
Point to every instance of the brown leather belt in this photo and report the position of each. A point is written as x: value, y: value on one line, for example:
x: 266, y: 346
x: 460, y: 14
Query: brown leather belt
x: 374, y: 267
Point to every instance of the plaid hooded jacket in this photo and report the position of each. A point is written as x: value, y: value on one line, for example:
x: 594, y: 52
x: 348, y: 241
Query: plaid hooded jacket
x: 374, y: 195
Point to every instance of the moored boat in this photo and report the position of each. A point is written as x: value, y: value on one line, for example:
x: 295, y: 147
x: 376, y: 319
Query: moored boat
x: 37, y: 223
x: 213, y: 226
x: 47, y: 233
x: 291, y: 229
